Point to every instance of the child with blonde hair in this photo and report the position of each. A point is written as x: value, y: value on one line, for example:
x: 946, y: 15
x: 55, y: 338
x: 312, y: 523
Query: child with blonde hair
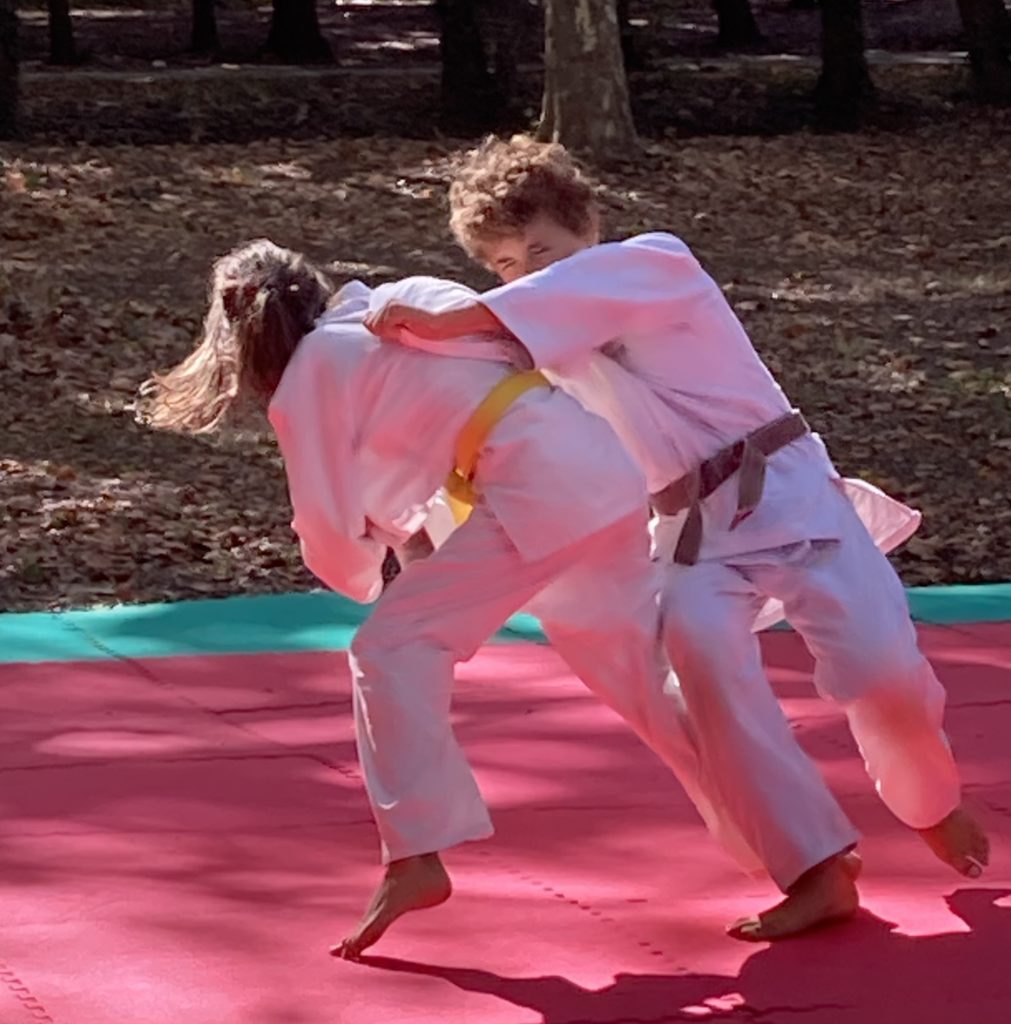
x: 369, y: 433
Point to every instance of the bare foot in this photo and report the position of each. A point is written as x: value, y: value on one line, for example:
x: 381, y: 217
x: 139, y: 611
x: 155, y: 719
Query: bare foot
x: 959, y: 840
x: 827, y: 894
x: 414, y: 883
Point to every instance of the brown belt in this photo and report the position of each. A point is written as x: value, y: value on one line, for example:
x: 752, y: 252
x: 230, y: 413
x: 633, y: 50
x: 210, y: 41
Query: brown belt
x: 746, y: 457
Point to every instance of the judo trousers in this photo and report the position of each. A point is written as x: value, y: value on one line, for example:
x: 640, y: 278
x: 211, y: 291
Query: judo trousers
x: 848, y: 605
x: 598, y: 599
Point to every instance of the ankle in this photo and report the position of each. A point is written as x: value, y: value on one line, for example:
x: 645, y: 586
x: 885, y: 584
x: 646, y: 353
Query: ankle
x: 418, y: 861
x: 953, y: 815
x: 829, y: 867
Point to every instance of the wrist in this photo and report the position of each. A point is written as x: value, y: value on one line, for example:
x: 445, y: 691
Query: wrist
x: 473, y: 319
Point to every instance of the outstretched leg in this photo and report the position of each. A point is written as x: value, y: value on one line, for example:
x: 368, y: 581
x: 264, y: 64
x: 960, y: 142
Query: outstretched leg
x: 721, y: 731
x: 751, y: 761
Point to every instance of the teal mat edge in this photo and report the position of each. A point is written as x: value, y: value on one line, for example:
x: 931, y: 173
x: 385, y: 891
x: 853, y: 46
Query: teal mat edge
x: 320, y: 621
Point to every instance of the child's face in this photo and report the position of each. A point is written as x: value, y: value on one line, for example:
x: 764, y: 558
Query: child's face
x: 538, y: 245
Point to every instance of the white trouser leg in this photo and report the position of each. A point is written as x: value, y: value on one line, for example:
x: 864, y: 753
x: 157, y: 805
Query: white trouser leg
x: 602, y: 616
x: 438, y: 612
x: 751, y: 762
x: 851, y: 610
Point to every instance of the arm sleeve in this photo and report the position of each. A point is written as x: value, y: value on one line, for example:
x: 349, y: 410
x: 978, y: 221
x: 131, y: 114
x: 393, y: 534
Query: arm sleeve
x: 438, y: 296
x: 575, y: 306
x: 312, y: 420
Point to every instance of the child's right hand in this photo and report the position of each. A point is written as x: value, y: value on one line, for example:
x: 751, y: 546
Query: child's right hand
x: 394, y: 317
x: 387, y: 323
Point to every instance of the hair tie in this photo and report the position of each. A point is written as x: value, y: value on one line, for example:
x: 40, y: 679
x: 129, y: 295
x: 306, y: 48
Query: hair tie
x: 238, y: 299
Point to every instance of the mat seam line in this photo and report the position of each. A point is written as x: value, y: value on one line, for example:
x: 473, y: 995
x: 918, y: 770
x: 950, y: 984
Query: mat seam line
x: 29, y: 1002
x: 585, y: 906
x: 145, y: 673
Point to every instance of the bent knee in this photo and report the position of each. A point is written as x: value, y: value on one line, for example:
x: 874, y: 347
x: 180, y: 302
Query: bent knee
x: 375, y: 644
x: 366, y: 641
x: 895, y: 683
x: 385, y: 650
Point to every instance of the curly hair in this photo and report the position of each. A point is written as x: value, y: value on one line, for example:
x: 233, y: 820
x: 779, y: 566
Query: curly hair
x: 263, y: 300
x: 504, y: 184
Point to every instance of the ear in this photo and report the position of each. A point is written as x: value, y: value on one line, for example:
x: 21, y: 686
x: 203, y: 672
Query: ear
x: 593, y: 231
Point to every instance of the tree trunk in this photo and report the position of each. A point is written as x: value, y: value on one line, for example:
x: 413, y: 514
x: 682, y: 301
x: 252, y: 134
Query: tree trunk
x: 629, y: 48
x: 507, y: 28
x: 988, y: 35
x: 204, y: 34
x: 295, y: 37
x: 8, y: 68
x: 586, y: 104
x: 845, y: 93
x: 481, y: 42
x: 468, y: 93
x: 738, y: 28
x: 61, y: 33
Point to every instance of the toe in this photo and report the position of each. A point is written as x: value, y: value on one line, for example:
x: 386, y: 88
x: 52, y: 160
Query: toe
x: 351, y: 951
x: 971, y: 867
x: 344, y: 950
x: 747, y: 929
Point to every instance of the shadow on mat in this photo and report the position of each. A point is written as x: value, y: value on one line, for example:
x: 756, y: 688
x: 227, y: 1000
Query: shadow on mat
x: 865, y: 972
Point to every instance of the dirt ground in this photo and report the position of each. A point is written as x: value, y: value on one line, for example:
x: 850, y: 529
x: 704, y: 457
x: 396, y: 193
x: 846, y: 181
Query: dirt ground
x: 873, y: 270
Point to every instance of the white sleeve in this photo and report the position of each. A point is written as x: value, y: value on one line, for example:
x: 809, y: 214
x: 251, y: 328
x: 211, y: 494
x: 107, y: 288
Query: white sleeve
x: 575, y: 306
x: 311, y: 417
x: 435, y: 295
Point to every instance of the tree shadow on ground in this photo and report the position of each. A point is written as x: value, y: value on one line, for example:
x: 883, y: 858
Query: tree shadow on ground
x: 865, y: 972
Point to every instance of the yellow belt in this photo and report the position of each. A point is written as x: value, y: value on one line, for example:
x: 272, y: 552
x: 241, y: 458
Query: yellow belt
x: 460, y: 483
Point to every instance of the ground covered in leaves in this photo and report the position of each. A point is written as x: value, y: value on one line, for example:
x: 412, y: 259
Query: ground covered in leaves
x: 874, y: 272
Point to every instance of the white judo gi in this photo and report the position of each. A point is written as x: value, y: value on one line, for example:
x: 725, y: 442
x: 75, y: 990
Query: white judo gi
x: 368, y: 433
x: 640, y: 334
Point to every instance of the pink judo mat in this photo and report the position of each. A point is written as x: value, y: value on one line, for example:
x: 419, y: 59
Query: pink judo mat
x: 183, y: 837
